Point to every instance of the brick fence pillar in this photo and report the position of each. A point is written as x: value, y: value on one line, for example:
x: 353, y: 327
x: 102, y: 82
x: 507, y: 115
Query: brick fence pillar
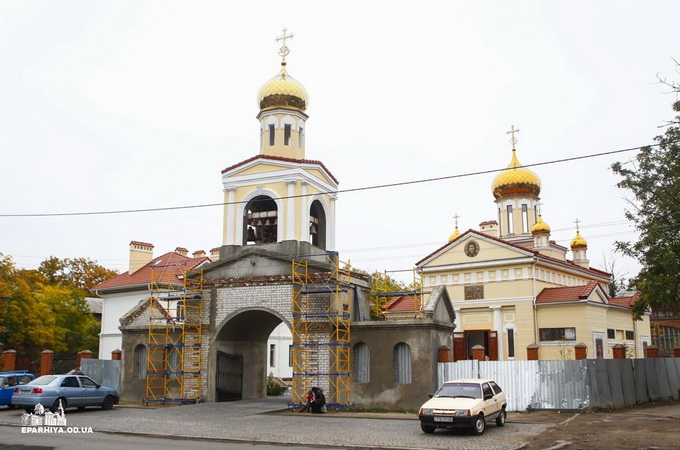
x: 478, y: 353
x: 651, y: 351
x: 619, y: 351
x: 10, y: 360
x: 676, y: 351
x: 85, y: 354
x: 580, y: 351
x: 532, y: 352
x: 117, y: 354
x: 46, y: 362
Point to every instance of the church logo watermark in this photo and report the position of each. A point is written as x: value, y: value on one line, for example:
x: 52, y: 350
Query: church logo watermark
x: 42, y: 421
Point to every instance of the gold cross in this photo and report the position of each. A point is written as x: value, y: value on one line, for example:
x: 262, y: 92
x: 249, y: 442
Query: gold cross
x: 513, y: 139
x: 283, y: 51
x: 577, y: 222
x: 455, y: 217
x: 540, y: 207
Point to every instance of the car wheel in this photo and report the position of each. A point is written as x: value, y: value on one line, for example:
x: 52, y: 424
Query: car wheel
x: 427, y: 428
x: 108, y: 402
x: 28, y: 410
x: 479, y: 426
x: 55, y: 406
x: 500, y: 420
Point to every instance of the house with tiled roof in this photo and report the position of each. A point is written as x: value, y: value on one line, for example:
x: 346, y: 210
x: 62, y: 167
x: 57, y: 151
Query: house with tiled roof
x: 514, y: 288
x: 122, y: 293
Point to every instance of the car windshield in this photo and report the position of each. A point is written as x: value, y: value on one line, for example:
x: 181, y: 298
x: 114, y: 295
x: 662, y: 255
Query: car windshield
x: 471, y: 390
x: 43, y: 380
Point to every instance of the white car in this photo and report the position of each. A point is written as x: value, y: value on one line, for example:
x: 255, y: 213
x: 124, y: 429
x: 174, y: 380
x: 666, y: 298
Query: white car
x: 464, y: 404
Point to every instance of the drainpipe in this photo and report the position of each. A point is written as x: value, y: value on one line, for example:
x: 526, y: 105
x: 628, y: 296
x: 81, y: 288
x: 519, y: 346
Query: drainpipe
x: 533, y: 301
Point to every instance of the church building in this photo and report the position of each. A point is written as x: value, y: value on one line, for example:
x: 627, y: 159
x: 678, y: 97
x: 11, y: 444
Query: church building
x: 514, y: 290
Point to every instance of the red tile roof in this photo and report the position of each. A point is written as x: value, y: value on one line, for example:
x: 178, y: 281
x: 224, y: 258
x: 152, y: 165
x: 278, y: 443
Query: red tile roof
x: 167, y: 268
x: 566, y: 294
x: 403, y: 303
x: 625, y: 302
x: 281, y: 158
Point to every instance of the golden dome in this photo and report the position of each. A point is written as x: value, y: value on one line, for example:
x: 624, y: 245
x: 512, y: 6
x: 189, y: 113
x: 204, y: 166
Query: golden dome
x: 283, y: 91
x: 455, y: 235
x: 540, y: 227
x: 516, y: 181
x: 578, y: 242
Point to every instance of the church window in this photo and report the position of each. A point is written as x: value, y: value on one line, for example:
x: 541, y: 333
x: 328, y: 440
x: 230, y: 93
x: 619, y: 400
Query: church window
x: 474, y: 292
x: 511, y: 225
x: 301, y: 138
x: 317, y: 225
x: 630, y: 335
x: 362, y: 363
x: 611, y: 333
x: 511, y: 343
x: 271, y: 134
x: 272, y: 355
x: 286, y: 134
x: 139, y: 361
x: 260, y: 221
x: 290, y: 356
x: 525, y: 219
x: 557, y: 334
x: 402, y: 363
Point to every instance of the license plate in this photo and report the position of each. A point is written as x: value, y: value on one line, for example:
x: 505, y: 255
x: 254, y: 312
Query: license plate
x: 443, y: 419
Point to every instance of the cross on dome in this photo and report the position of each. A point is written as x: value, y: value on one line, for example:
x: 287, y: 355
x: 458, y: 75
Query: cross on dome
x: 284, y: 50
x: 513, y: 139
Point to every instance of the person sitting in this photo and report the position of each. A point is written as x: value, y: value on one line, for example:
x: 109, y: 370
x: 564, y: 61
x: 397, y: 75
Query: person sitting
x: 308, y: 404
x: 319, y: 400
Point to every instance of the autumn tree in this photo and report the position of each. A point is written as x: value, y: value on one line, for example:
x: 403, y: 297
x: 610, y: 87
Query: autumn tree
x: 653, y: 179
x: 78, y: 273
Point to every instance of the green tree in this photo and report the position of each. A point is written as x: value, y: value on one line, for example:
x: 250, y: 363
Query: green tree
x: 79, y: 273
x: 653, y: 178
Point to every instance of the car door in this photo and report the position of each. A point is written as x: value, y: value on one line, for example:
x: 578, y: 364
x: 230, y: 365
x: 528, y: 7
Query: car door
x: 491, y: 406
x: 70, y: 388
x: 91, y: 393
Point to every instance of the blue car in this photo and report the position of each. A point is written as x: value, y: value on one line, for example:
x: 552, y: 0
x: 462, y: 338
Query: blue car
x: 10, y: 380
x: 74, y: 391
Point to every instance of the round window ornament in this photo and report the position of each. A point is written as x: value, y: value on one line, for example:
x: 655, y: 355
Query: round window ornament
x: 472, y: 248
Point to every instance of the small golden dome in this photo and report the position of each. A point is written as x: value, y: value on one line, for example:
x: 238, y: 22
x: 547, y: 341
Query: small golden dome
x: 455, y: 235
x: 283, y: 91
x: 540, y: 227
x: 578, y: 242
x: 516, y: 181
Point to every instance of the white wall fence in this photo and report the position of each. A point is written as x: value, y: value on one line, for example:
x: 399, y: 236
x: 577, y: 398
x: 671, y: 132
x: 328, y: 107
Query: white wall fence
x: 575, y: 385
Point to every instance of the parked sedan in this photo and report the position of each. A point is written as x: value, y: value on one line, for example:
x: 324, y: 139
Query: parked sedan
x: 464, y: 404
x: 8, y: 380
x: 77, y: 391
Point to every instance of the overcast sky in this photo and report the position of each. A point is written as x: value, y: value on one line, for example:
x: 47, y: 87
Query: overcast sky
x: 123, y: 105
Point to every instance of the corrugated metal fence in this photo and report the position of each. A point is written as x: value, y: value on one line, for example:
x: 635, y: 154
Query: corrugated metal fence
x: 103, y: 371
x: 571, y: 385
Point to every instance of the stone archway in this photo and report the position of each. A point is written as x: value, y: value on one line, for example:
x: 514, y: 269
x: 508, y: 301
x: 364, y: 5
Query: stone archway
x: 241, y: 336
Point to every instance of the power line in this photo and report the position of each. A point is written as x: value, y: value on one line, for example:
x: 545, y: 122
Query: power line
x: 340, y: 191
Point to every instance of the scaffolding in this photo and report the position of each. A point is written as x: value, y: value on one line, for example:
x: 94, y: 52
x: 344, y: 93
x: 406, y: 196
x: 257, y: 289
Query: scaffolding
x: 321, y: 328
x: 173, y: 363
x: 383, y: 290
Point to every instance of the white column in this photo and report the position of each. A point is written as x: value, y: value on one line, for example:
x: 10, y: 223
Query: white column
x: 498, y: 327
x: 330, y: 224
x: 290, y: 210
x: 230, y: 234
x: 304, y: 212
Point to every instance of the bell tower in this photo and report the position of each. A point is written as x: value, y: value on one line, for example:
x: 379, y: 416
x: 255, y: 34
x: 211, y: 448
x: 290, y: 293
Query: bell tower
x: 278, y: 195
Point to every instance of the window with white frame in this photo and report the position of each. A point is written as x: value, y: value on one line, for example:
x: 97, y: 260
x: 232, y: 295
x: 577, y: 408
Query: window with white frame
x: 402, y: 363
x: 272, y: 355
x: 557, y: 334
x: 139, y: 361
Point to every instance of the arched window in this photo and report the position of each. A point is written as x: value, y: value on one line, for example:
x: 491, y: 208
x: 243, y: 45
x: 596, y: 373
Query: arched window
x: 139, y: 362
x: 317, y: 225
x: 402, y: 363
x: 362, y: 363
x: 260, y: 221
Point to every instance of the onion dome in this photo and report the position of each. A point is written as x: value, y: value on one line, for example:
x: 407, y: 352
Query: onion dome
x: 540, y: 227
x: 578, y: 242
x: 516, y: 180
x: 283, y: 91
x: 455, y: 235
